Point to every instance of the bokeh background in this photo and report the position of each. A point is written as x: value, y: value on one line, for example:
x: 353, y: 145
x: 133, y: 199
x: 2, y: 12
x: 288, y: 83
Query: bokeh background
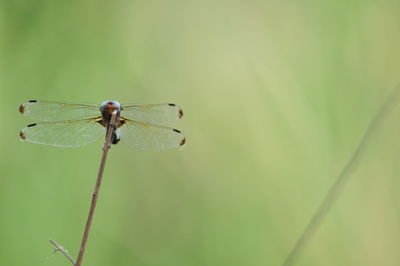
x: 276, y: 96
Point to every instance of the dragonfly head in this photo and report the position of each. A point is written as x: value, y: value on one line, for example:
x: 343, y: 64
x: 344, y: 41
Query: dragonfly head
x: 108, y: 107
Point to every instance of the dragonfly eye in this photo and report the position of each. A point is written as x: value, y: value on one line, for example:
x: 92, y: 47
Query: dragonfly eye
x: 108, y: 107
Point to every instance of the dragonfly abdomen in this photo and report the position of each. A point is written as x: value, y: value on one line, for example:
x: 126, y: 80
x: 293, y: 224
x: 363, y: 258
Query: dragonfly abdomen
x: 115, y: 136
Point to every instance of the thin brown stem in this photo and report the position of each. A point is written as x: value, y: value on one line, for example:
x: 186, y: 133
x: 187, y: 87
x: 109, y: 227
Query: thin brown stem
x: 95, y: 194
x: 62, y: 250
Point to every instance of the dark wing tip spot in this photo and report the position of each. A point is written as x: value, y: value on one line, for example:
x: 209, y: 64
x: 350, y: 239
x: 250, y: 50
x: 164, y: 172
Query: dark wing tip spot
x: 31, y: 125
x: 180, y: 113
x: 32, y: 101
x: 21, y: 108
x: 172, y: 104
x: 177, y: 131
x: 182, y: 142
x: 21, y: 135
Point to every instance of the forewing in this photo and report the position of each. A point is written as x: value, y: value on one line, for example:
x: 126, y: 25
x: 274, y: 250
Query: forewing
x: 66, y: 134
x: 157, y: 114
x: 145, y: 136
x: 55, y: 111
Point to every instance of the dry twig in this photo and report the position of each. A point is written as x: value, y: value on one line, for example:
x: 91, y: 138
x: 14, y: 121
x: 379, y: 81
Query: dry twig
x: 95, y: 194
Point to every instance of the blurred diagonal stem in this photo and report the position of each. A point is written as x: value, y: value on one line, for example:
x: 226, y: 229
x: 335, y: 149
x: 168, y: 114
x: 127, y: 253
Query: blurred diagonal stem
x: 341, y: 180
x: 95, y: 194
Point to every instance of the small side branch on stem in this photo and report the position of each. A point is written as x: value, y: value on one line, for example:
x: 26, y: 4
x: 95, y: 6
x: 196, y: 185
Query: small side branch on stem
x: 62, y: 250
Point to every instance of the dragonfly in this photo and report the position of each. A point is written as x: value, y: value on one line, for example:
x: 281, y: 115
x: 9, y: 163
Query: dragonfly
x: 69, y: 125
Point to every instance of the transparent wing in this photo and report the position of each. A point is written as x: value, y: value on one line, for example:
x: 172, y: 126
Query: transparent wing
x: 68, y: 134
x: 54, y: 111
x: 158, y: 114
x: 145, y: 136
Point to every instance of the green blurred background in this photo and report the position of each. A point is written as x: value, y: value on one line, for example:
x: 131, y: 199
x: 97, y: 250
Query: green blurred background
x: 276, y: 96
